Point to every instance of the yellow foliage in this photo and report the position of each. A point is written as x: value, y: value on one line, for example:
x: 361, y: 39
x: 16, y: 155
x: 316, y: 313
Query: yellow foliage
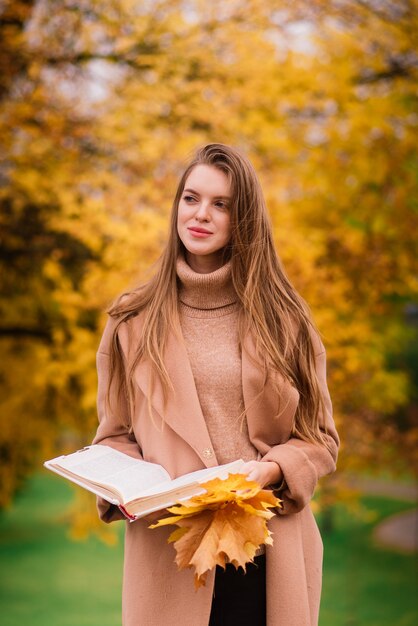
x: 83, y: 520
x: 101, y: 105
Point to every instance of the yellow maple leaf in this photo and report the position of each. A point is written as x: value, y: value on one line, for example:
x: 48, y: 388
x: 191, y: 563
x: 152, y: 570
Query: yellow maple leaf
x: 226, y: 524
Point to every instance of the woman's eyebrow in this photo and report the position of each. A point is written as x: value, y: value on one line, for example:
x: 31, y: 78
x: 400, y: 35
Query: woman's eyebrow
x: 198, y: 194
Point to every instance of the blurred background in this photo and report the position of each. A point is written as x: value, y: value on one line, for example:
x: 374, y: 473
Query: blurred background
x: 102, y: 102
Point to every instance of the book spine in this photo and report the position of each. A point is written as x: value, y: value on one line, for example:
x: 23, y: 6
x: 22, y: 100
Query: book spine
x: 128, y: 516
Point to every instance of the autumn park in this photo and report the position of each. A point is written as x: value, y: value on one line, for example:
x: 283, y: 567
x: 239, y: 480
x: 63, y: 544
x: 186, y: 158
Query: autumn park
x: 102, y: 102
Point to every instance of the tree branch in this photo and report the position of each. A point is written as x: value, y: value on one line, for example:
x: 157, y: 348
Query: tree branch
x: 32, y: 333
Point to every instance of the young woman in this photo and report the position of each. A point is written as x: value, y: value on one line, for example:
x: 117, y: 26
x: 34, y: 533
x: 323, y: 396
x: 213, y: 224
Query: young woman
x: 216, y: 358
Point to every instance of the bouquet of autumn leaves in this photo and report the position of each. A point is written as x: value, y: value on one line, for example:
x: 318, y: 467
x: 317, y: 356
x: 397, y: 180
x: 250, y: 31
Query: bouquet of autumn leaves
x: 226, y: 524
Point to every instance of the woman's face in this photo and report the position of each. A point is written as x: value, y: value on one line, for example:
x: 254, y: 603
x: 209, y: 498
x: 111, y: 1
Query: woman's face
x: 203, y: 221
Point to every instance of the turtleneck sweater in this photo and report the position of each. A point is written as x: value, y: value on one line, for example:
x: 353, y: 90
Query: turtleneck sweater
x: 209, y: 321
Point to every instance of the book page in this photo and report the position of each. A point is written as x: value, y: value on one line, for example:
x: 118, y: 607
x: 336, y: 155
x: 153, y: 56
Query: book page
x: 197, y: 477
x: 125, y: 476
x: 160, y: 501
x: 180, y: 489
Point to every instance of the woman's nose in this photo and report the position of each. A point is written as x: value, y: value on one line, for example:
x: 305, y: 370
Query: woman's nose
x: 202, y: 212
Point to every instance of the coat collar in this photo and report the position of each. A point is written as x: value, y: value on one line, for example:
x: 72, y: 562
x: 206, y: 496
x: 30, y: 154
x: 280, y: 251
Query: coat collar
x: 269, y: 412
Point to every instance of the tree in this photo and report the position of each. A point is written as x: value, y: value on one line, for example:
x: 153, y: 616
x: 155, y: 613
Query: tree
x: 101, y: 104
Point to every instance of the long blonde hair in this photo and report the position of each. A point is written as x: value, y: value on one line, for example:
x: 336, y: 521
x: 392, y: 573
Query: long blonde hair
x: 271, y: 309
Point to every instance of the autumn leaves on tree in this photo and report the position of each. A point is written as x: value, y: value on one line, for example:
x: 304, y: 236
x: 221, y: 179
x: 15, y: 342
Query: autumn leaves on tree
x: 100, y: 104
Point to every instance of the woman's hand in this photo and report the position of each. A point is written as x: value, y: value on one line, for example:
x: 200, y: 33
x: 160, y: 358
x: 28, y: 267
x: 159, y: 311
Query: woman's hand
x: 263, y: 472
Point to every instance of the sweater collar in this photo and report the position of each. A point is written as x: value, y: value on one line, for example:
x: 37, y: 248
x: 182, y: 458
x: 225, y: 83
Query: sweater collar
x: 205, y: 291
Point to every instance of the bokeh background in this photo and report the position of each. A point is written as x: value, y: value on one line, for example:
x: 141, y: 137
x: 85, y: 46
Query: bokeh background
x: 102, y: 102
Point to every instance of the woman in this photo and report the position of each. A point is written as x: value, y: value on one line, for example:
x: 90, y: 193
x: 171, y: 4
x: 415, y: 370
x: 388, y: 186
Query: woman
x: 216, y: 358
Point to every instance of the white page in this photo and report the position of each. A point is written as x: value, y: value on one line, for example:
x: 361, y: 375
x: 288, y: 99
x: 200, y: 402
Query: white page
x: 109, y: 467
x: 199, y: 476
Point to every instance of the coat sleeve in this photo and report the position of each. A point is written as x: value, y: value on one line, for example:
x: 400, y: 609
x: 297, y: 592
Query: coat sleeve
x: 114, y: 417
x: 304, y: 463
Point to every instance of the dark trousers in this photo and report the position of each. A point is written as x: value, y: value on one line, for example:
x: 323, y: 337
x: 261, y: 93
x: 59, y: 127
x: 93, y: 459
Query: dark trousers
x: 240, y: 598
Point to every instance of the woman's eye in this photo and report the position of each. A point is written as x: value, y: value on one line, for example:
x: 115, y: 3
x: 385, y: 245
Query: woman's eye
x: 221, y: 205
x: 188, y: 198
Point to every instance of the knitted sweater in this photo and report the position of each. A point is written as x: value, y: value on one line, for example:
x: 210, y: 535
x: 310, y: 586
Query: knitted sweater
x: 209, y: 323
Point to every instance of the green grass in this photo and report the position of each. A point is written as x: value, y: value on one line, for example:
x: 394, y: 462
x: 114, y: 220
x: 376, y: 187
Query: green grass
x: 49, y: 580
x: 364, y: 584
x: 46, y: 578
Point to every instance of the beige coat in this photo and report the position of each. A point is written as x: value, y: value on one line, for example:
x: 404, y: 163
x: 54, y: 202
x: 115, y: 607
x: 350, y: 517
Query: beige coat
x: 154, y: 592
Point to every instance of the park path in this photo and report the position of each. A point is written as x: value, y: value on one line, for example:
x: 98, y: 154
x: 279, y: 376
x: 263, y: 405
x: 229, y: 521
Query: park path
x: 400, y: 531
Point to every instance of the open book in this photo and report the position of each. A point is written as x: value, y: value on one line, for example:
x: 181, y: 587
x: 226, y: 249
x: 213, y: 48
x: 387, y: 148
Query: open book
x: 136, y: 487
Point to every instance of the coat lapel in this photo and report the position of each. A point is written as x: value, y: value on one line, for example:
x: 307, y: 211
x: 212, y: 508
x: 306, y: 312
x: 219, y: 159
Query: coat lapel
x: 270, y: 401
x: 182, y: 410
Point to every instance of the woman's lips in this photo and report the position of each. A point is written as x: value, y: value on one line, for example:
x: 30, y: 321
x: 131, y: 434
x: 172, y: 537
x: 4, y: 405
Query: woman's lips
x: 199, y: 232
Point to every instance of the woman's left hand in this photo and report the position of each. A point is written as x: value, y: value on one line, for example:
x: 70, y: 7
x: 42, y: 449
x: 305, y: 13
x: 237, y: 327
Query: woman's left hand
x: 263, y: 472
